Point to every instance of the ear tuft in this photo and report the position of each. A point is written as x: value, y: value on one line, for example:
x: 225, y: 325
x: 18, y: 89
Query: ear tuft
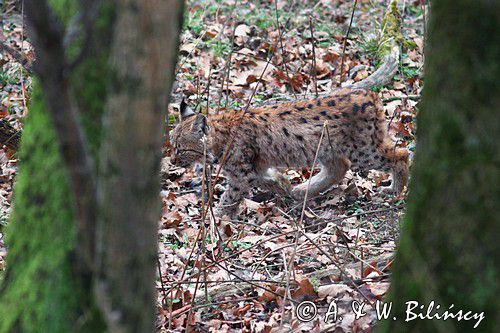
x: 185, y: 110
x: 200, y: 124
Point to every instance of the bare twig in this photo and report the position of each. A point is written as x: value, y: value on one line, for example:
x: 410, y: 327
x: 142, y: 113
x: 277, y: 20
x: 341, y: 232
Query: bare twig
x: 23, y: 88
x: 82, y: 25
x: 227, y: 69
x: 273, y: 237
x: 9, y: 136
x: 256, y: 285
x: 424, y: 3
x: 345, y: 42
x: 314, y: 57
x: 163, y: 292
x: 191, y: 308
x: 335, y: 263
x: 298, y: 225
x: 395, y: 98
x: 283, y: 55
x: 195, y: 290
x: 234, y: 132
x: 225, y: 281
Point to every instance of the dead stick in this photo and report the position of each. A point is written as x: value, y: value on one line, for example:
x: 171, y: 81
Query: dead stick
x: 233, y: 136
x: 314, y: 57
x: 345, y: 42
x: 283, y: 62
x: 163, y: 292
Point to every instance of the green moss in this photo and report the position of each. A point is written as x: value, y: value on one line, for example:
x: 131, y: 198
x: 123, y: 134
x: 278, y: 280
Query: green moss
x: 39, y: 291
x: 391, y: 30
x: 64, y: 9
x: 90, y: 80
x: 40, y: 294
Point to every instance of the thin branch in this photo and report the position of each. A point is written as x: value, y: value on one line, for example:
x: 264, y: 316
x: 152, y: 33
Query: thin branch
x: 9, y: 136
x: 163, y: 292
x: 345, y: 42
x: 233, y: 136
x: 424, y: 28
x: 314, y: 57
x: 283, y: 59
x: 23, y: 87
x: 225, y: 79
x: 82, y: 26
x: 273, y: 237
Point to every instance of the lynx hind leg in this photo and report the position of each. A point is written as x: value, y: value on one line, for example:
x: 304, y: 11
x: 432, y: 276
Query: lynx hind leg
x: 274, y: 181
x: 394, y: 160
x: 332, y: 172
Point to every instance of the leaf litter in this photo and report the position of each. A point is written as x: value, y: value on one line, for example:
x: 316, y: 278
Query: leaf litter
x: 235, y: 275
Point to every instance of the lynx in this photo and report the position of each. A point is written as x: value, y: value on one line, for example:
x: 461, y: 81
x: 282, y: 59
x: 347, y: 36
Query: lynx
x: 287, y: 135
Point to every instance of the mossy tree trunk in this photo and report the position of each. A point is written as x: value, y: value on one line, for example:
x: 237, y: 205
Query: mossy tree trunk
x: 52, y: 267
x: 449, y: 249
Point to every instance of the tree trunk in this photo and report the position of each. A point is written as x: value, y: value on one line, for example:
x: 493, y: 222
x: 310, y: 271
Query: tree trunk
x: 129, y: 72
x: 144, y: 52
x: 449, y: 249
x: 40, y: 292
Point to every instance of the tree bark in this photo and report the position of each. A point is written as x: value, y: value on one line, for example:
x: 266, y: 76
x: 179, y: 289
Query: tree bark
x: 40, y: 292
x: 43, y: 291
x: 144, y: 52
x: 130, y: 76
x: 449, y: 250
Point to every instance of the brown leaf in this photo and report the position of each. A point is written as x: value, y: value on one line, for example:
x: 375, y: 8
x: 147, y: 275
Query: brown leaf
x: 172, y: 219
x: 267, y: 296
x: 305, y: 291
x: 369, y: 269
x: 332, y: 290
x: 189, y: 88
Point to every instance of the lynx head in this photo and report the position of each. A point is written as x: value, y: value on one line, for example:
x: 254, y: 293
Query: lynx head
x: 187, y: 137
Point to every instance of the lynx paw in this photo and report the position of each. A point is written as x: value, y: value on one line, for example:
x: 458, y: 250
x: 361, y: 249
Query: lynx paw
x: 226, y: 210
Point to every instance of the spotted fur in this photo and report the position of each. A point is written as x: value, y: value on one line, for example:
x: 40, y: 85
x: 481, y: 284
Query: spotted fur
x: 287, y: 136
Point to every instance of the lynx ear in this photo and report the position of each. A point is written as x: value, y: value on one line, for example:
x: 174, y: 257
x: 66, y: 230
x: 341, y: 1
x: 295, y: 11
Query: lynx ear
x: 200, y: 124
x: 185, y: 110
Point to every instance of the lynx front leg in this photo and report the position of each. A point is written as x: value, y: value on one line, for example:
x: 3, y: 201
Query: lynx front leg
x: 241, y: 179
x: 394, y: 160
x: 231, y: 199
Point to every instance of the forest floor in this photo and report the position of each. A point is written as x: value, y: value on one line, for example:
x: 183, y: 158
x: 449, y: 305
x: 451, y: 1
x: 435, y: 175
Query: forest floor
x: 250, y: 274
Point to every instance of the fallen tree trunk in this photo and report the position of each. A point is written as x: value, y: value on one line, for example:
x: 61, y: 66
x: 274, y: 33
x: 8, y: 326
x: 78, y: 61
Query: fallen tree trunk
x: 388, y: 50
